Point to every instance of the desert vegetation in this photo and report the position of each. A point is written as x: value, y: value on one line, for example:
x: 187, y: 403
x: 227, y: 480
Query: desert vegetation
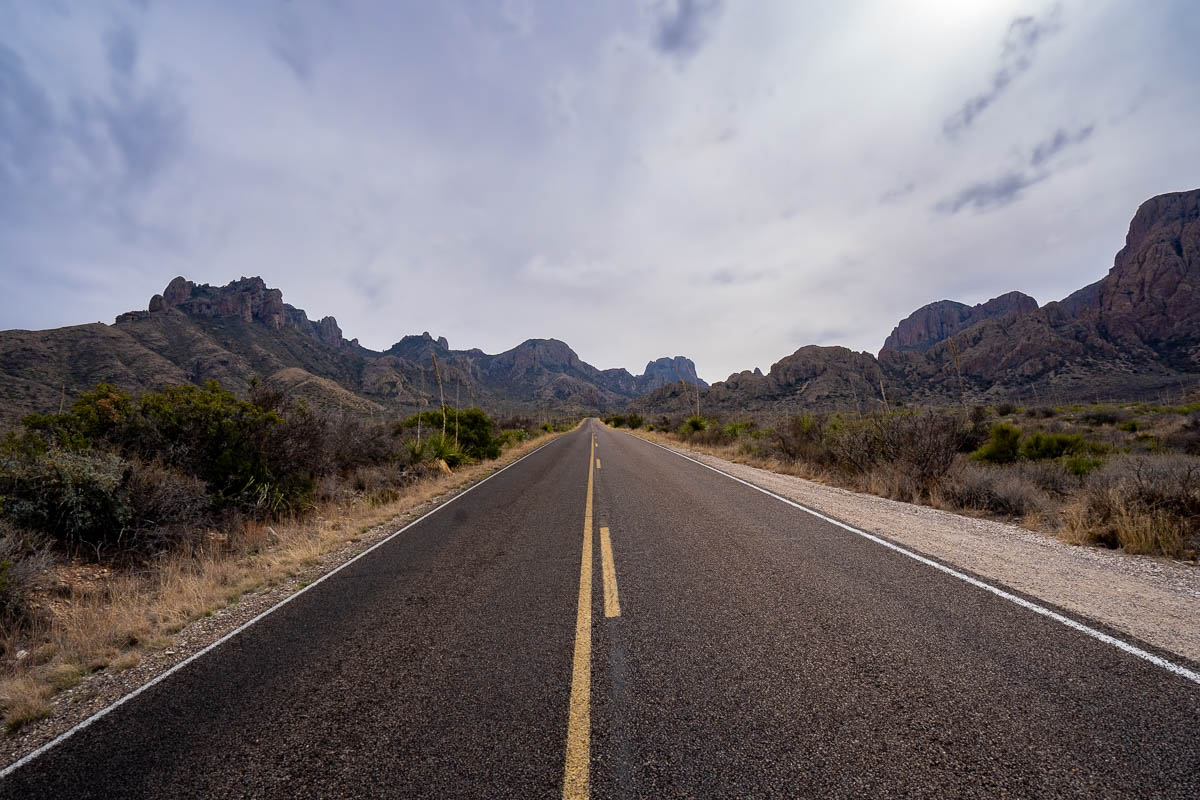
x: 124, y: 518
x: 1117, y: 476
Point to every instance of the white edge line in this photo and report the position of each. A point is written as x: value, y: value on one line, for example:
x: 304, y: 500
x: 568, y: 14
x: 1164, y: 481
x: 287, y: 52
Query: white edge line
x: 62, y: 737
x: 1170, y: 666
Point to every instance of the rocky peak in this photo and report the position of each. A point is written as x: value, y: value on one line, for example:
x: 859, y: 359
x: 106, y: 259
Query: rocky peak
x: 249, y: 299
x: 1153, y: 289
x: 665, y: 370
x: 938, y: 321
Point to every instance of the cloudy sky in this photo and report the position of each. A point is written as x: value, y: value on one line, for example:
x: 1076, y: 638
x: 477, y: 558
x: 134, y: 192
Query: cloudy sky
x: 724, y: 180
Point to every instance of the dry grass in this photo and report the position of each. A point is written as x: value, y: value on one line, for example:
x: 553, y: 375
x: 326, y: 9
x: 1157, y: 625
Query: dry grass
x: 106, y: 619
x: 25, y: 699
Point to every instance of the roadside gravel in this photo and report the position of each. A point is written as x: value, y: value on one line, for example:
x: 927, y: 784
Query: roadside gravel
x: 1156, y: 600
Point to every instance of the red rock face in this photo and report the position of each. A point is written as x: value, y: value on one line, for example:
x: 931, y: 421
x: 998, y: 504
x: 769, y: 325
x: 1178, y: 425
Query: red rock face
x: 1152, y: 293
x: 938, y: 321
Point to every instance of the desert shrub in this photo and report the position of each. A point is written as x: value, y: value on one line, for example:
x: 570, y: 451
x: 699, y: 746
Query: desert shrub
x: 1142, y: 504
x: 976, y: 431
x: 1040, y: 412
x: 736, y: 430
x: 1051, y: 477
x: 992, y: 489
x: 24, y: 562
x: 1130, y: 426
x: 103, y: 505
x: 921, y: 445
x: 75, y: 497
x: 443, y: 448
x: 473, y: 429
x: 1102, y: 416
x: 1081, y: 465
x: 615, y: 420
x: 1005, y: 409
x: 693, y: 424
x: 1002, y: 446
x: 1041, y: 446
x: 633, y: 420
x: 1187, y: 438
x: 803, y: 439
x: 511, y: 436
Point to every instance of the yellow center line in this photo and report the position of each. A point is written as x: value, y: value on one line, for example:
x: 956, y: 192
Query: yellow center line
x: 612, y: 603
x: 579, y: 719
x: 597, y: 463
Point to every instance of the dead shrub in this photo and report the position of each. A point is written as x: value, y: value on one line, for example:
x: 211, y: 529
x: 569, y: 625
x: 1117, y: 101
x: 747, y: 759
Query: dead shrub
x: 991, y: 489
x: 25, y: 561
x: 1148, y: 504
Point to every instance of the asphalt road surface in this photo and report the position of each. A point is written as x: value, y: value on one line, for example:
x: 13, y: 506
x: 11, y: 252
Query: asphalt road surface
x: 708, y: 641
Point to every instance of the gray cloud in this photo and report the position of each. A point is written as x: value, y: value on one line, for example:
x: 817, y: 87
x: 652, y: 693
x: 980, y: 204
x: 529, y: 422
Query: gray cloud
x: 1005, y: 189
x: 25, y: 118
x: 121, y: 48
x: 1021, y: 42
x: 684, y: 26
x: 989, y: 195
x: 293, y: 45
x: 730, y: 276
x: 1061, y: 140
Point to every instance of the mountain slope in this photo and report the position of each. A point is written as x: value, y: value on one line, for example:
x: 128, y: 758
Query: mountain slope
x: 244, y: 331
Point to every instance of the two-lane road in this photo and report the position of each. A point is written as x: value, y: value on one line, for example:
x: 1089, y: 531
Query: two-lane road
x: 710, y: 641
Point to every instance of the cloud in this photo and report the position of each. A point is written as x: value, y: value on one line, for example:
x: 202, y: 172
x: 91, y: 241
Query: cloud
x: 25, y: 120
x: 1061, y: 140
x: 293, y: 45
x: 988, y: 195
x: 999, y: 192
x: 121, y: 48
x: 1021, y: 42
x: 684, y: 25
x: 729, y: 276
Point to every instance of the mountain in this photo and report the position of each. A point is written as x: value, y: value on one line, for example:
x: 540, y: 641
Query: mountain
x: 938, y: 321
x: 243, y: 331
x: 1133, y: 334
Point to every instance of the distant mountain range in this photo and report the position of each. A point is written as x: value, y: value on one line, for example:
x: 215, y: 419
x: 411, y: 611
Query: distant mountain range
x: 236, y: 333
x: 1133, y: 334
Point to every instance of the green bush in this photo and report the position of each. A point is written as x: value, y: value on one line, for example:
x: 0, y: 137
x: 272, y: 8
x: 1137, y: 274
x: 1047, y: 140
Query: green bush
x: 1041, y: 446
x: 693, y: 424
x: 633, y: 420
x: 1002, y: 446
x: 735, y: 430
x: 473, y: 429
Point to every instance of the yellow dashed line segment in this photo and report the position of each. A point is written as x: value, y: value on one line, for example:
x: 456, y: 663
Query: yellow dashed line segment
x: 612, y: 602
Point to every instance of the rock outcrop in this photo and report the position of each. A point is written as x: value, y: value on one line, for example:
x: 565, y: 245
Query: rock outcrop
x: 938, y: 321
x: 665, y: 370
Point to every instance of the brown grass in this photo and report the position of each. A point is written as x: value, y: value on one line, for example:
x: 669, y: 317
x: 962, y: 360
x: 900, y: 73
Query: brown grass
x: 106, y: 619
x: 25, y: 699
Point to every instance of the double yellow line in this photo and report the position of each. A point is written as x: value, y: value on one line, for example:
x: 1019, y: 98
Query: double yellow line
x: 579, y: 719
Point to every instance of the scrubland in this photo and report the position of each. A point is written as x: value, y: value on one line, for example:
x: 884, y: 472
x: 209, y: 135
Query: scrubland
x: 124, y: 519
x: 1116, y: 476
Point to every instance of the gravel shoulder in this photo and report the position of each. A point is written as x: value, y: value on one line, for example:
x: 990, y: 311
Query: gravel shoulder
x: 1155, y: 600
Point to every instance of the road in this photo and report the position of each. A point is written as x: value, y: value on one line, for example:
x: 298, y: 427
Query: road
x: 710, y: 641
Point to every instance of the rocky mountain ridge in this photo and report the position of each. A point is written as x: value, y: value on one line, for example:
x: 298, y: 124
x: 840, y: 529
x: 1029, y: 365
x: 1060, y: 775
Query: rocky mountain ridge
x: 244, y: 331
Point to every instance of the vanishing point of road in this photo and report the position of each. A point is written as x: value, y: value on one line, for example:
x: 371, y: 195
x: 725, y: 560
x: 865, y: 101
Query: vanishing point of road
x: 608, y: 619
